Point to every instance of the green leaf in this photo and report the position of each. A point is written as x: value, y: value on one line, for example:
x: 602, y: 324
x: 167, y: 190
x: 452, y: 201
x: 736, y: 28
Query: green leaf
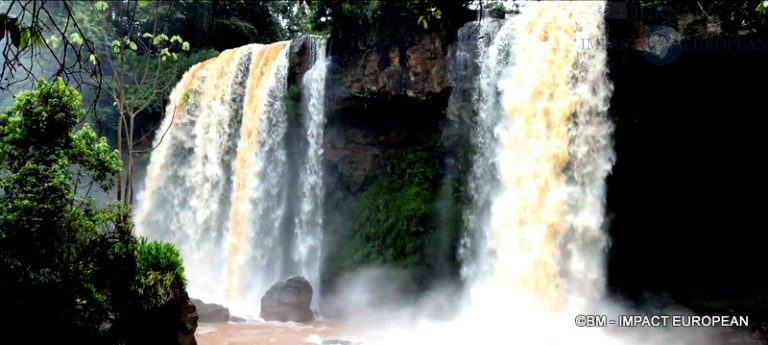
x: 147, y: 35
x: 185, y: 46
x: 176, y: 38
x: 36, y: 36
x: 76, y: 38
x: 437, y: 13
x: 424, y: 24
x: 24, y: 40
x: 53, y: 41
x: 92, y: 59
x: 159, y: 39
x: 132, y: 46
x: 421, y: 19
x: 101, y: 6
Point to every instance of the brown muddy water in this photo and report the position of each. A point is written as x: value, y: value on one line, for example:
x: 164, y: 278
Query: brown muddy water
x: 272, y: 333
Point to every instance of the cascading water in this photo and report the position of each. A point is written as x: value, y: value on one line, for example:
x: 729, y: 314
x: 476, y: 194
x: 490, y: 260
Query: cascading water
x: 254, y: 259
x: 493, y: 55
x: 214, y: 186
x: 551, y: 203
x: 309, y: 222
x: 205, y: 114
x: 218, y: 183
x: 551, y: 158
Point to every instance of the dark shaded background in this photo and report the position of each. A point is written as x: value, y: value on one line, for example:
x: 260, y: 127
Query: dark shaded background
x: 686, y: 195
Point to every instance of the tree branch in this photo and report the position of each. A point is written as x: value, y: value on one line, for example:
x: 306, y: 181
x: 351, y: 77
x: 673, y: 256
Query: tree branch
x: 173, y: 117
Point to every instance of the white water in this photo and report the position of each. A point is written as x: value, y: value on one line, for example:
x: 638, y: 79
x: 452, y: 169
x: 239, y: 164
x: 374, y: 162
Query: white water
x: 195, y: 152
x: 255, y: 256
x: 309, y: 222
x: 494, y: 54
x: 544, y: 152
x: 218, y: 184
x: 215, y: 185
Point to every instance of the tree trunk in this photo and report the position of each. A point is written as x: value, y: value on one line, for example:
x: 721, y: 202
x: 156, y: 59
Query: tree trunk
x: 120, y: 151
x: 129, y: 175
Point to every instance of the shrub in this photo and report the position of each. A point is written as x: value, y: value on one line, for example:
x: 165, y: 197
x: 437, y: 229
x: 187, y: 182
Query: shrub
x: 159, y: 273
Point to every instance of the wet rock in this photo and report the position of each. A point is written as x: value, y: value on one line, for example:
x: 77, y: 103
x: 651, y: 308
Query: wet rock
x: 210, y: 312
x: 236, y: 319
x: 187, y: 313
x: 336, y: 342
x: 288, y: 300
x: 298, y: 62
x: 187, y: 319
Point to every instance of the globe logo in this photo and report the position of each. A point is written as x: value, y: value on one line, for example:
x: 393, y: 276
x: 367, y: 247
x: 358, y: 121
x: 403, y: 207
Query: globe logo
x: 661, y: 44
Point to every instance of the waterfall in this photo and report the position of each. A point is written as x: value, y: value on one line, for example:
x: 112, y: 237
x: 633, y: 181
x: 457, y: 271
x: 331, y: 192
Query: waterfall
x: 493, y: 50
x: 542, y: 144
x: 547, y: 221
x: 254, y: 259
x: 215, y: 183
x: 196, y: 151
x: 309, y: 221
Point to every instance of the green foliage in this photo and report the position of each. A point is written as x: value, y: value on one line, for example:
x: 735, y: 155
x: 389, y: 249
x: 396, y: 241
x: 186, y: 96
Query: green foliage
x: 61, y: 254
x: 160, y: 273
x: 100, y: 6
x: 134, y: 53
x: 296, y: 17
x: 227, y: 24
x: 293, y: 102
x: 429, y: 14
x: 390, y: 221
x: 762, y: 8
x: 48, y: 232
x: 76, y: 38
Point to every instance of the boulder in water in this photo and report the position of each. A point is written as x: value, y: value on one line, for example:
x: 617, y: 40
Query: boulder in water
x: 238, y: 319
x: 288, y: 300
x: 209, y: 312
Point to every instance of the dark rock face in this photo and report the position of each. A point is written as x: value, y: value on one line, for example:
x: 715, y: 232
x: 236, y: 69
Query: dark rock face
x: 368, y: 139
x: 385, y: 102
x: 210, y: 312
x: 186, y: 313
x: 299, y: 59
x: 415, y: 69
x: 288, y: 300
